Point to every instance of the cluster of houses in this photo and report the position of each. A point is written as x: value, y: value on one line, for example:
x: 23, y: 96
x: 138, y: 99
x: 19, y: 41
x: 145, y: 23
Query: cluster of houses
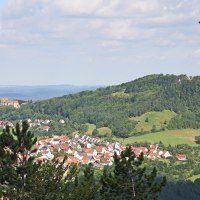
x: 9, y: 102
x: 43, y: 124
x: 82, y: 149
x: 4, y: 123
x: 79, y: 150
x: 40, y: 124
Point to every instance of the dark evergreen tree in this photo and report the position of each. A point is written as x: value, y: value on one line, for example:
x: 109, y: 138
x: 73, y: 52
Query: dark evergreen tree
x: 23, y: 179
x: 17, y: 168
x: 87, y: 186
x: 197, y: 139
x: 95, y: 132
x: 54, y: 181
x: 153, y: 128
x: 129, y: 179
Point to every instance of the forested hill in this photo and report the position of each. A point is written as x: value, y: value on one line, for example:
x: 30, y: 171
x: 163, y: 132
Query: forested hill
x: 114, y: 106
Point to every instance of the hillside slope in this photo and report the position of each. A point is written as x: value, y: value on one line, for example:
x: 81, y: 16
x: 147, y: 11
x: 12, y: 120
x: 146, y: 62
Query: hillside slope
x: 114, y: 106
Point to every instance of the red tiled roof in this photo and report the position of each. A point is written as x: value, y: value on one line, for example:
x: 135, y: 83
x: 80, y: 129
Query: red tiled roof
x: 72, y: 160
x: 100, y: 148
x: 60, y: 158
x: 85, y: 160
x: 181, y: 156
x: 139, y: 150
x: 45, y: 152
x: 49, y: 139
x: 45, y: 127
x: 96, y: 157
x: 40, y: 159
x: 56, y: 146
x: 63, y: 137
x: 64, y: 146
x: 89, y: 150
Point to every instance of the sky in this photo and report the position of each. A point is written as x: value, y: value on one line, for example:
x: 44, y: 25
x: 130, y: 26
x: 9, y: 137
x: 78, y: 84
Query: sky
x: 97, y: 42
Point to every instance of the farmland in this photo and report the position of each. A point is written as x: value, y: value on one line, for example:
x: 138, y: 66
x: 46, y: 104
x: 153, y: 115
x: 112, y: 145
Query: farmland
x: 172, y: 137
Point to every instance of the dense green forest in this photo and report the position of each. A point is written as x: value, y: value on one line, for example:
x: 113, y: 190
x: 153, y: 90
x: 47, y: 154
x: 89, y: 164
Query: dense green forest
x: 114, y: 106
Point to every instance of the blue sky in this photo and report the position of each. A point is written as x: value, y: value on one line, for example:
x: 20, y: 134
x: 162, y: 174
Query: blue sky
x: 97, y: 42
x: 2, y: 3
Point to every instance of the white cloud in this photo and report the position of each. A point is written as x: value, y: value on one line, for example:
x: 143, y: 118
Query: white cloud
x: 98, y: 8
x: 112, y: 45
x: 164, y: 42
x: 196, y: 53
x: 178, y: 36
x: 126, y: 30
x: 108, y: 23
x: 22, y: 8
x: 76, y: 7
x: 104, y: 8
x: 127, y: 8
x: 168, y: 18
x: 57, y: 32
x: 6, y: 46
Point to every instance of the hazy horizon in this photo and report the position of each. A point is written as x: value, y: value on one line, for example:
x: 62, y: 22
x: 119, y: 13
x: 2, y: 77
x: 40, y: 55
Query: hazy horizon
x: 41, y: 92
x: 49, y: 85
x: 74, y: 85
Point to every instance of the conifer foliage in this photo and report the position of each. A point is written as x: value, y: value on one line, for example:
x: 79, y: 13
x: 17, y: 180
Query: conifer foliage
x: 129, y: 179
x: 86, y: 187
x: 17, y: 168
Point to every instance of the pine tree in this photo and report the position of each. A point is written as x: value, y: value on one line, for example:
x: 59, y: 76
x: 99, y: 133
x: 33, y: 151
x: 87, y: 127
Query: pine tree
x: 87, y: 186
x: 54, y: 181
x: 17, y: 168
x: 129, y: 179
x: 23, y: 179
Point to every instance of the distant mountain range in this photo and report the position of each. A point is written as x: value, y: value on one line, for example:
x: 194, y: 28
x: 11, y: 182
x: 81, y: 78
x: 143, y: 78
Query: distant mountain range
x: 40, y: 92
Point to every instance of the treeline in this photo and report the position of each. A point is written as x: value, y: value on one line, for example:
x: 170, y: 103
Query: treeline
x: 185, y: 120
x: 113, y: 106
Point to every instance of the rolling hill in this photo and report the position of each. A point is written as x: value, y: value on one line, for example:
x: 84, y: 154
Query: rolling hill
x: 169, y: 101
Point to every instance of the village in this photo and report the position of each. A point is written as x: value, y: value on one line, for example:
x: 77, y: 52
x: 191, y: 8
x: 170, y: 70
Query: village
x: 84, y: 149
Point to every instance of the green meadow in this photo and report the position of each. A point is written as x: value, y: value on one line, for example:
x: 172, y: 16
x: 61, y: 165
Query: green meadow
x: 172, y: 137
x: 150, y: 119
x: 105, y: 131
x: 91, y: 127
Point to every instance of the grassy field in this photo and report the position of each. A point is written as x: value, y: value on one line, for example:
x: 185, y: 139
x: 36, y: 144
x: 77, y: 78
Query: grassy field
x: 105, y: 131
x: 121, y: 94
x: 91, y: 127
x: 159, y: 119
x: 172, y: 137
x: 193, y: 178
